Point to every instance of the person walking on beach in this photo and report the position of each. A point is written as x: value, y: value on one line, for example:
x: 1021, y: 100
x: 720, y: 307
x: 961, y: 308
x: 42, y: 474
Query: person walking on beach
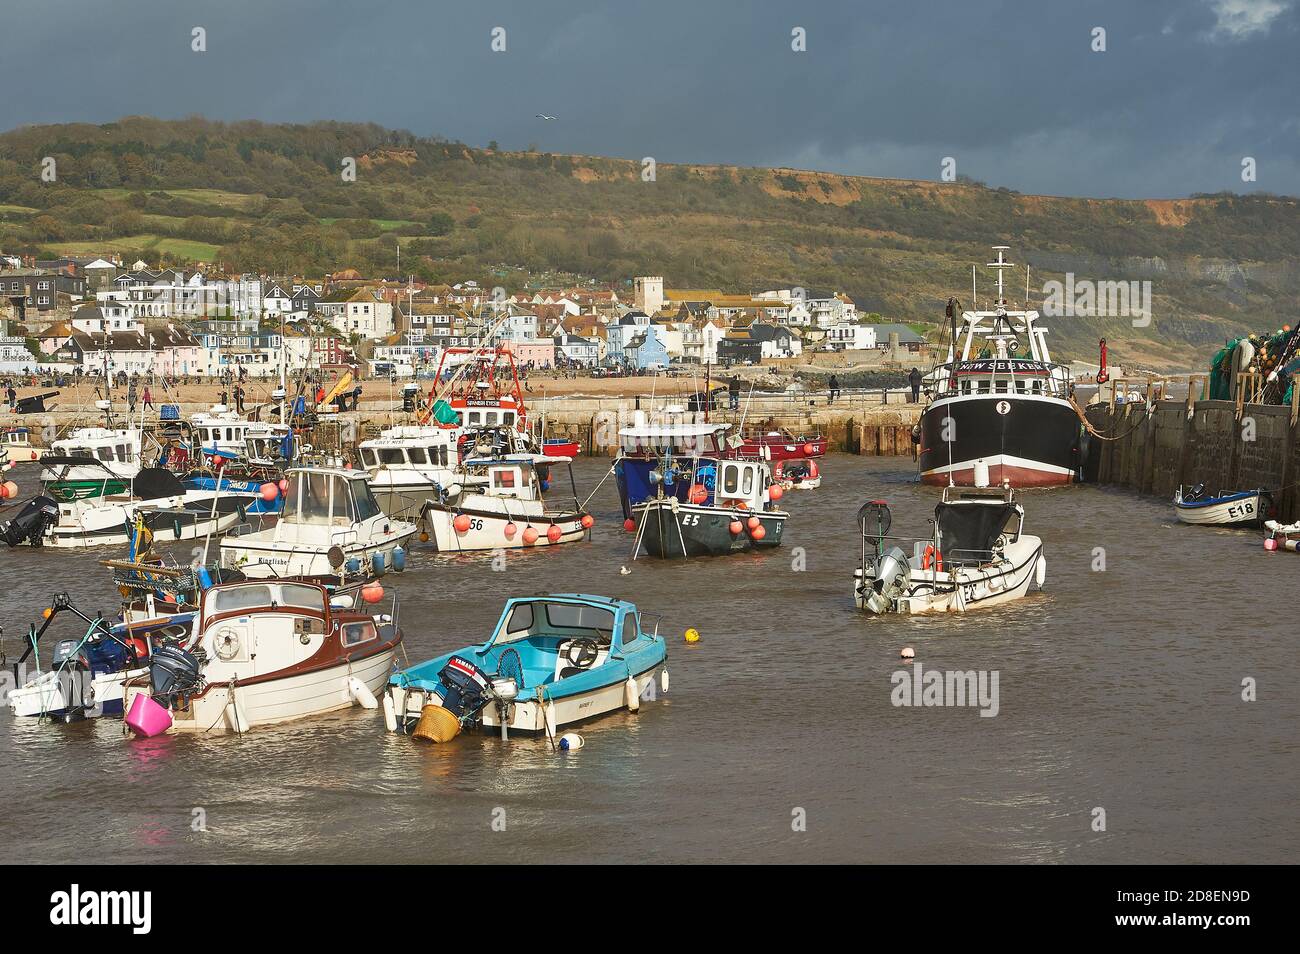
x: 834, y: 387
x: 130, y: 396
x: 239, y: 398
x: 914, y: 379
x: 733, y: 391
x: 12, y: 396
x: 148, y: 398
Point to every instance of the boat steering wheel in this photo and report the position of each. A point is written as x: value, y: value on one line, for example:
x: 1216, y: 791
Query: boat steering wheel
x: 588, y: 651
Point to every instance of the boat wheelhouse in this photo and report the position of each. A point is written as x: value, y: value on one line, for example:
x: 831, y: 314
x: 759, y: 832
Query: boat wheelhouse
x: 645, y: 449
x: 407, y: 465
x: 221, y: 429
x: 16, y: 443
x: 551, y: 661
x: 998, y: 405
x: 330, y: 519
x: 91, y: 462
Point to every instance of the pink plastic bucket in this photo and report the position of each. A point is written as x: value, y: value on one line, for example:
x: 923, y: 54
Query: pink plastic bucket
x: 146, y: 718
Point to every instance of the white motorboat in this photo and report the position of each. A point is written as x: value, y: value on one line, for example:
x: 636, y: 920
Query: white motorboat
x: 979, y: 555
x: 1240, y: 508
x: 154, y: 497
x: 265, y: 652
x: 407, y: 465
x: 497, y: 504
x: 16, y: 446
x: 330, y: 519
x: 91, y: 462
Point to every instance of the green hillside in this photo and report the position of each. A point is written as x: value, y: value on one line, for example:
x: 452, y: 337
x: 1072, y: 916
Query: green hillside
x: 272, y: 198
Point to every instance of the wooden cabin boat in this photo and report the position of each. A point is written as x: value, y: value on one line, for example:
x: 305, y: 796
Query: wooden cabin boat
x: 497, y: 503
x: 1244, y: 508
x: 408, y: 465
x: 265, y: 652
x: 330, y: 518
x: 551, y: 661
x: 978, y: 555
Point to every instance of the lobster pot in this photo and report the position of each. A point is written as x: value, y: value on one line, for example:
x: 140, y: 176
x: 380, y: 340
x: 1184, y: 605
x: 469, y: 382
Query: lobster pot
x: 436, y: 724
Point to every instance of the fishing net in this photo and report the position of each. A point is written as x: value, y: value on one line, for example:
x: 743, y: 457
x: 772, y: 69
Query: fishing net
x: 1272, y: 352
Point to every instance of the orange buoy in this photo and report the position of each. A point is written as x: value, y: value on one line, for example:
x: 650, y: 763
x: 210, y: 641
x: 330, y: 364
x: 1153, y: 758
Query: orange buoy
x: 809, y: 450
x: 699, y: 493
x: 554, y: 533
x: 758, y: 533
x: 629, y: 525
x: 511, y: 530
x: 735, y: 527
x: 530, y: 536
x: 372, y: 592
x: 587, y: 521
x: 812, y: 468
x: 284, y: 485
x: 461, y: 523
x: 775, y: 492
x: 9, y: 490
x: 753, y: 522
x: 270, y: 491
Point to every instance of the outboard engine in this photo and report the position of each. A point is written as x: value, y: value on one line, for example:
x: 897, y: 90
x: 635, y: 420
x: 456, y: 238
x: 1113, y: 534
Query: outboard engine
x: 173, y: 672
x: 30, y: 525
x: 892, y: 576
x: 464, y: 687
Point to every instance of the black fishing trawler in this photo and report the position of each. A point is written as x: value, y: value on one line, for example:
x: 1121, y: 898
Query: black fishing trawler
x: 1001, y: 408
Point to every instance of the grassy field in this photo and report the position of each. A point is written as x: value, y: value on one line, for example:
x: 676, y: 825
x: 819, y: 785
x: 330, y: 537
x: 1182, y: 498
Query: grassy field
x: 137, y: 244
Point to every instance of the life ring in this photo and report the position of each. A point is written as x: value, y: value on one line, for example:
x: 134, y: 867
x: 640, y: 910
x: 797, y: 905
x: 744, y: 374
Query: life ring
x: 931, y: 556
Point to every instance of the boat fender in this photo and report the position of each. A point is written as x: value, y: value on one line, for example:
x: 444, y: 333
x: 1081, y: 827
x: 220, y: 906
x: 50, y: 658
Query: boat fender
x: 378, y: 563
x: 353, y: 565
x: 390, y: 713
x: 205, y: 578
x: 399, y: 559
x: 570, y: 741
x: 663, y: 680
x: 631, y: 696
x: 361, y: 694
x: 1040, y: 571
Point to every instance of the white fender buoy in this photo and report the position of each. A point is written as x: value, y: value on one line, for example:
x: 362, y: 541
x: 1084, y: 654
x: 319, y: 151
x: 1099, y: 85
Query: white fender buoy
x: 1040, y: 571
x: 631, y: 696
x: 981, y: 473
x: 390, y: 713
x: 570, y: 741
x: 663, y: 680
x: 361, y: 694
x: 549, y: 714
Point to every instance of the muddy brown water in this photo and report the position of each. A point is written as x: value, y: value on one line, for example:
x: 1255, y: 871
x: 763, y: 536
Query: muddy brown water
x: 1118, y: 689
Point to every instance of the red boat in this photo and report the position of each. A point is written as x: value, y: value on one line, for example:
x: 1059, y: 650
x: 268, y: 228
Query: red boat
x: 782, y: 445
x: 484, y: 393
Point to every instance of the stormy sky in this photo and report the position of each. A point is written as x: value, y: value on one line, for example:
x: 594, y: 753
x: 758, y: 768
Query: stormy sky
x: 1012, y: 91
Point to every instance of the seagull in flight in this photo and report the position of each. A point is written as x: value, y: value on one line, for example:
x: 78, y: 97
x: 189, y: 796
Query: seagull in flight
x: 543, y: 116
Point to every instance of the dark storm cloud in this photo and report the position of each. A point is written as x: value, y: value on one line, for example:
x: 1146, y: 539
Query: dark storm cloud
x: 1011, y: 90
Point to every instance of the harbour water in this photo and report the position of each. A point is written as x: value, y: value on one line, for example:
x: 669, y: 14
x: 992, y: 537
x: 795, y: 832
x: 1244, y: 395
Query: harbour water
x: 1119, y: 689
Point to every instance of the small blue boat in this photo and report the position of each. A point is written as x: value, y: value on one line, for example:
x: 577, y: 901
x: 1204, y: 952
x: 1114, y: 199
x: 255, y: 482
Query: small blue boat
x: 551, y: 661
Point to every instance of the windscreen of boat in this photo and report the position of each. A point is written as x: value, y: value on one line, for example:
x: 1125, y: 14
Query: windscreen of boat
x: 968, y: 531
x: 261, y: 596
x: 544, y: 618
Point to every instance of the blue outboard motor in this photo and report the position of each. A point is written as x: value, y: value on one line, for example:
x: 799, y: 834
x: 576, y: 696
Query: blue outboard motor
x: 464, y: 687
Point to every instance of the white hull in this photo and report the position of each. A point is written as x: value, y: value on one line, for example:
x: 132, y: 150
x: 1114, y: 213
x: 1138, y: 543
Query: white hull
x: 965, y: 588
x: 279, y: 700
x: 270, y: 560
x: 100, y: 532
x: 488, y: 531
x: 1244, y: 510
x: 529, y: 715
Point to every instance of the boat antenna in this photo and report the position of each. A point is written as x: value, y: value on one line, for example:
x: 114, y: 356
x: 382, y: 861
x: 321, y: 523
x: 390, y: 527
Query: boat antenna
x: 1001, y: 264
